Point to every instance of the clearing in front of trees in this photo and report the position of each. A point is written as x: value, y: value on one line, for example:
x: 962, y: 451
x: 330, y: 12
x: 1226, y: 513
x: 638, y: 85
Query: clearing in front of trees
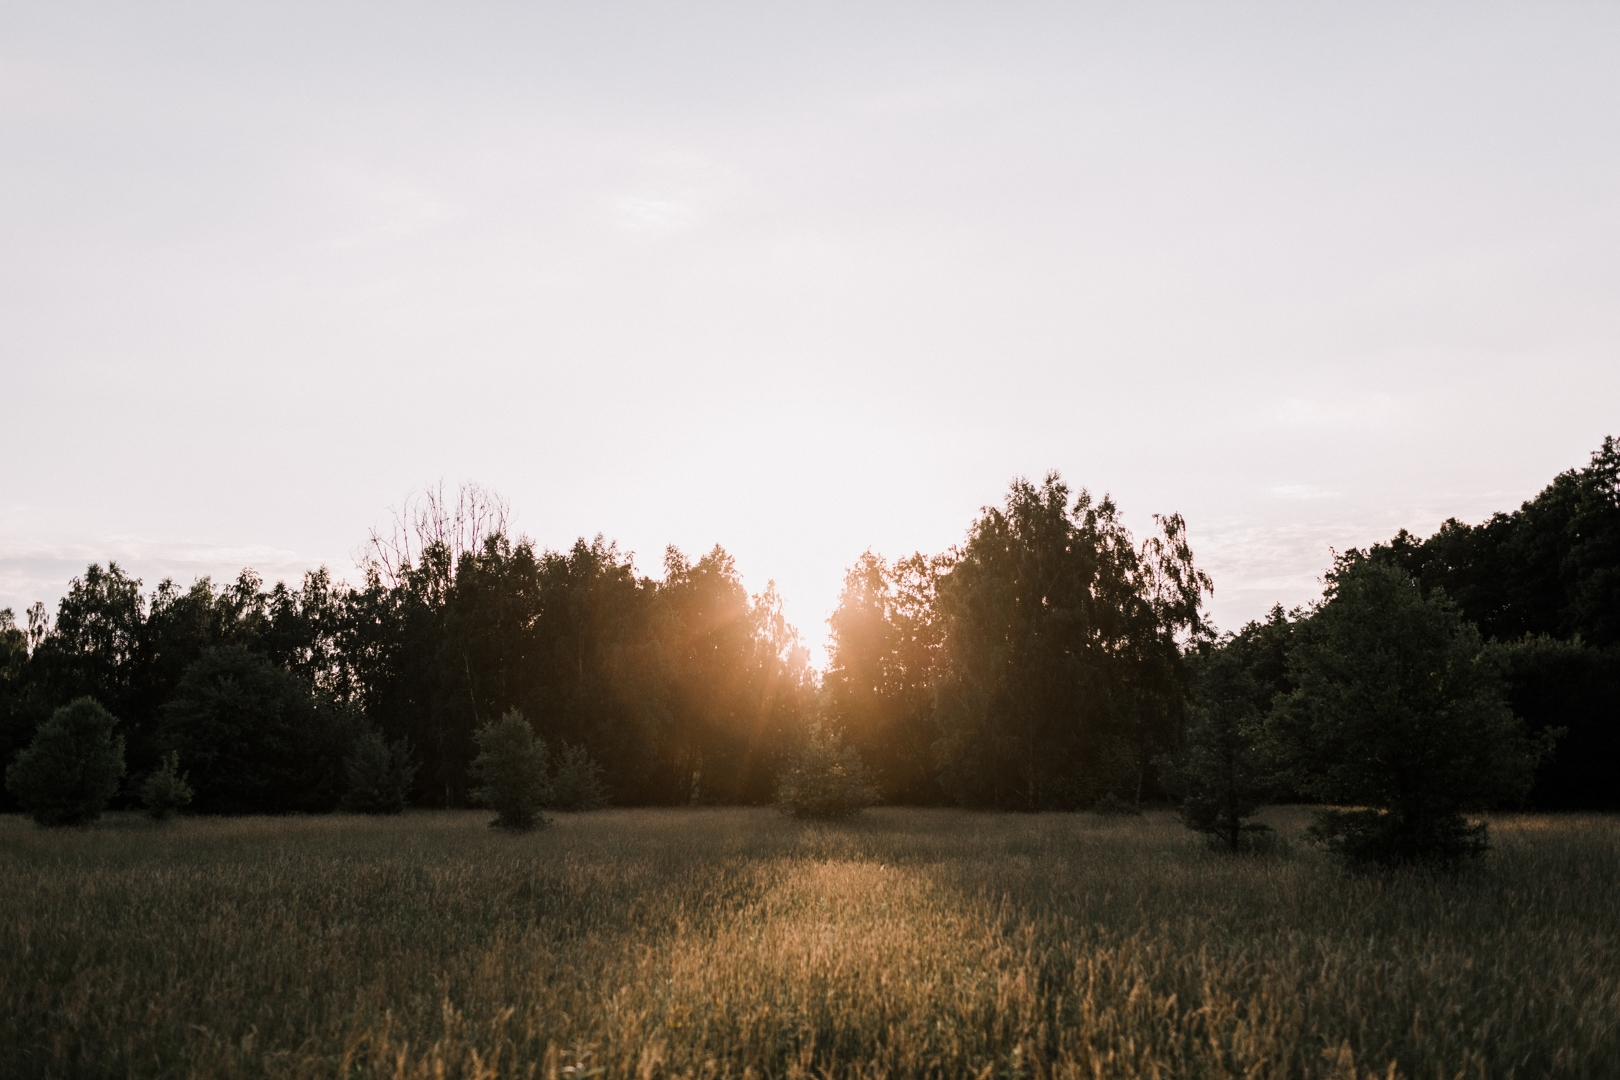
x: 742, y: 942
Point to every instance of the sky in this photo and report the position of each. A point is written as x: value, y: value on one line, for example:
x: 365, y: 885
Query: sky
x: 802, y: 280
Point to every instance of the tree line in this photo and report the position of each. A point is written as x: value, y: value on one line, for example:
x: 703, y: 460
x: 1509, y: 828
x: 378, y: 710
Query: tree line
x: 1050, y: 661
x: 685, y: 689
x: 1538, y: 586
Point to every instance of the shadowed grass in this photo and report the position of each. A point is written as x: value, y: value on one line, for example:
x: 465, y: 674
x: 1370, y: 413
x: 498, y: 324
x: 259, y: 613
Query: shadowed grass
x: 738, y: 942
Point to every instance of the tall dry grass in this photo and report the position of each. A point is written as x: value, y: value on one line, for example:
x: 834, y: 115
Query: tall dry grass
x: 738, y: 943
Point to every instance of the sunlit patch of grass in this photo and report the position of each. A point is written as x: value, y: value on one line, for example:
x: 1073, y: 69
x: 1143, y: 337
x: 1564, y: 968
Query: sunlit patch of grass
x: 740, y: 943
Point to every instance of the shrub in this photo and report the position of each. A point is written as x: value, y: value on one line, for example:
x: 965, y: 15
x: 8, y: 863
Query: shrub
x: 165, y: 791
x: 825, y: 779
x: 72, y: 767
x: 379, y: 775
x: 577, y: 784
x: 510, y: 772
x: 1223, y: 773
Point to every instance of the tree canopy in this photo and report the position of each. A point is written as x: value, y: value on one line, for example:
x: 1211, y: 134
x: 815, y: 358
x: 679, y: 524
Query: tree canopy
x: 1059, y: 676
x: 1047, y: 661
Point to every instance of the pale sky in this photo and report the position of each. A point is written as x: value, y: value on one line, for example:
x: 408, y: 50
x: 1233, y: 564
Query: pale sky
x: 801, y: 280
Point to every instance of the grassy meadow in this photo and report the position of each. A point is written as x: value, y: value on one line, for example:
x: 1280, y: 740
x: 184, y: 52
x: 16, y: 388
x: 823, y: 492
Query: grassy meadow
x: 734, y: 942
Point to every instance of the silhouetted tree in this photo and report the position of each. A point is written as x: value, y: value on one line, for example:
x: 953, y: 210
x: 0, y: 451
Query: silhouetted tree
x: 258, y: 739
x: 577, y: 783
x: 510, y: 772
x: 1224, y: 771
x: 825, y: 778
x: 1397, y: 712
x: 92, y: 650
x: 739, y: 684
x: 71, y: 769
x: 22, y: 706
x: 1568, y: 686
x: 886, y: 638
x: 1060, y: 675
x: 165, y: 791
x: 379, y: 775
x: 1551, y: 567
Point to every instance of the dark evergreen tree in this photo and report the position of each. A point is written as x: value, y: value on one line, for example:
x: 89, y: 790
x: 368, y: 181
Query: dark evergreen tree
x: 825, y: 778
x: 1398, y: 712
x: 1551, y: 567
x: 1546, y: 573
x: 577, y: 782
x: 379, y: 775
x: 165, y: 791
x: 509, y: 773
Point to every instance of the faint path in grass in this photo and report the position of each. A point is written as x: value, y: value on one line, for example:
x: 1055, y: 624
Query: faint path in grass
x: 729, y: 941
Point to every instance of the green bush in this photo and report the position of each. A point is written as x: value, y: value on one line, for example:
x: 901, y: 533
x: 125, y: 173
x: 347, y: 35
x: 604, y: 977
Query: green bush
x: 1380, y: 836
x: 72, y: 768
x: 825, y: 779
x: 577, y: 784
x: 510, y: 772
x: 379, y: 775
x: 165, y: 791
x: 1224, y: 772
x: 1399, y: 711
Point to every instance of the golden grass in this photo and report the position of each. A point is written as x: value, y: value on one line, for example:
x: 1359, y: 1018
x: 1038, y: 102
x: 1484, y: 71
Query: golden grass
x: 738, y: 943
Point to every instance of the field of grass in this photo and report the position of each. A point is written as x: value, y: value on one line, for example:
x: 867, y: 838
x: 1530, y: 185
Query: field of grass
x: 737, y: 943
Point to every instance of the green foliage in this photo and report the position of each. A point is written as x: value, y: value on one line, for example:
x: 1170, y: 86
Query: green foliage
x: 21, y: 710
x: 825, y: 779
x: 165, y: 791
x: 685, y: 690
x: 258, y: 739
x: 72, y: 768
x: 1060, y: 677
x: 577, y: 783
x: 1551, y: 567
x: 1570, y: 686
x: 379, y: 775
x: 1399, y: 714
x: 877, y: 690
x: 510, y: 772
x: 1223, y: 772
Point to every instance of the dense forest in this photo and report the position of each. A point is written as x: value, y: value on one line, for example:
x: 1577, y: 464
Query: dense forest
x: 1049, y: 661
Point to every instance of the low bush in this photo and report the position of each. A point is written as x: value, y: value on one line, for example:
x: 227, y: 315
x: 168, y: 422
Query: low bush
x: 510, y: 772
x: 577, y: 783
x: 72, y: 768
x: 379, y: 775
x: 825, y: 779
x: 165, y: 792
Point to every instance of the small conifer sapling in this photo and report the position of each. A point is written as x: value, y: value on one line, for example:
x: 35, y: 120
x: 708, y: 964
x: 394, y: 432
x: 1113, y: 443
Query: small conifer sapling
x: 165, y: 792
